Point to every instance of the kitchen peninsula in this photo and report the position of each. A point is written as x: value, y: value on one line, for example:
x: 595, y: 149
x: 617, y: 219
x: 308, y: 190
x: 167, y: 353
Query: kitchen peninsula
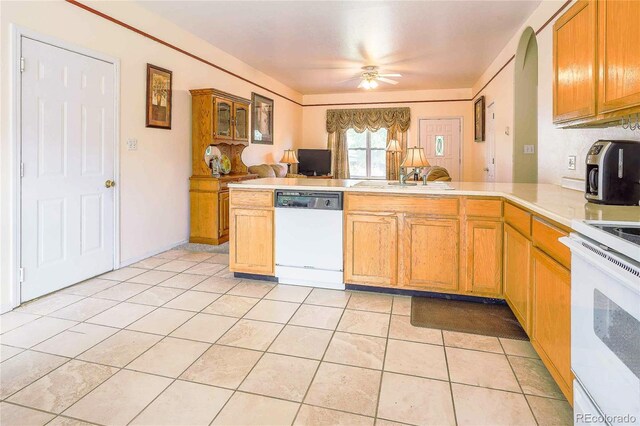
x: 491, y: 240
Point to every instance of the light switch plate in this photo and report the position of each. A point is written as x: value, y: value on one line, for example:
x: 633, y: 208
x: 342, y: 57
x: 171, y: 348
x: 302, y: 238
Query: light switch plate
x: 529, y: 149
x: 132, y: 144
x: 572, y: 162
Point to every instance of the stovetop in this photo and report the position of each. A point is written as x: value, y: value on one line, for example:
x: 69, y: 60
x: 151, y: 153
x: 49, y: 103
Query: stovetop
x: 622, y: 237
x: 626, y: 232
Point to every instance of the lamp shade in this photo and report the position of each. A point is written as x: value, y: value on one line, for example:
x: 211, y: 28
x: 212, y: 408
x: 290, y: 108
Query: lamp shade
x: 393, y: 146
x: 416, y: 157
x: 289, y: 157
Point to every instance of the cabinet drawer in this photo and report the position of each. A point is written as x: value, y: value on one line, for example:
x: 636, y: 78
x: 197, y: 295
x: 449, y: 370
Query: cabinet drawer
x: 483, y: 208
x: 251, y: 198
x: 518, y: 218
x: 546, y: 237
x: 411, y: 205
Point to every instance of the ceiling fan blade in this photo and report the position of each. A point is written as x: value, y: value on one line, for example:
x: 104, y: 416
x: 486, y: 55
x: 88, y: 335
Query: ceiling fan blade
x: 386, y: 80
x: 390, y: 75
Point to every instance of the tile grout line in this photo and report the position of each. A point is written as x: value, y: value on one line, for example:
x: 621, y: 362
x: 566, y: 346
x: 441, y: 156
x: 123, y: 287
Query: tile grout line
x: 384, y: 360
x: 324, y: 354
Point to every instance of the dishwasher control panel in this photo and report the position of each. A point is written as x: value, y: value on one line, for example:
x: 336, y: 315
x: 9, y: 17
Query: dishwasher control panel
x: 316, y: 200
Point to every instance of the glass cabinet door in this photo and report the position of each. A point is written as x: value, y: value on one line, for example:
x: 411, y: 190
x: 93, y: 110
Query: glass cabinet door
x: 223, y: 118
x: 241, y: 120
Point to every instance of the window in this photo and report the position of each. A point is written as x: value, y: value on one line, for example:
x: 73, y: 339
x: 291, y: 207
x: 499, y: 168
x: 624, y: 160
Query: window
x: 367, y: 154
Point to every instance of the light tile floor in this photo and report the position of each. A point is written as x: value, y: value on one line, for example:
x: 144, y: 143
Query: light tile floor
x: 176, y: 339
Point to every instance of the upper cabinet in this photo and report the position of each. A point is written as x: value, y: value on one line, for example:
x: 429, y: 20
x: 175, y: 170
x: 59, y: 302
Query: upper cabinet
x: 618, y: 55
x: 219, y: 117
x: 574, y: 63
x: 241, y: 121
x: 596, y: 63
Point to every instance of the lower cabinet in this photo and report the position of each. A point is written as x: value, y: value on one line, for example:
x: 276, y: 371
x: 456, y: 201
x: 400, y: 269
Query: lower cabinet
x: 484, y: 257
x: 552, y: 317
x: 223, y: 214
x: 429, y: 253
x: 252, y: 241
x: 517, y: 287
x: 371, y: 246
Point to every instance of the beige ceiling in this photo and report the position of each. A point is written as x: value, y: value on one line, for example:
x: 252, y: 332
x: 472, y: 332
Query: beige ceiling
x: 319, y: 46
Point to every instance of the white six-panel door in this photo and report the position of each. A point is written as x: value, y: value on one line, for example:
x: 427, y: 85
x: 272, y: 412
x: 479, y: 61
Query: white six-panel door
x: 67, y: 134
x: 440, y: 139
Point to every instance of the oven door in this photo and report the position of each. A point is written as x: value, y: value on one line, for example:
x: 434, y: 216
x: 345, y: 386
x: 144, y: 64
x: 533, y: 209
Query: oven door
x: 605, y: 329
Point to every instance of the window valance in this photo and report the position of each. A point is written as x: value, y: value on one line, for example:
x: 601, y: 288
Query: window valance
x: 368, y: 119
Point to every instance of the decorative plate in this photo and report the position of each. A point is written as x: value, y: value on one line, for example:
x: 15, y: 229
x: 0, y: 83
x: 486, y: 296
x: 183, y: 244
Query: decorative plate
x: 225, y: 164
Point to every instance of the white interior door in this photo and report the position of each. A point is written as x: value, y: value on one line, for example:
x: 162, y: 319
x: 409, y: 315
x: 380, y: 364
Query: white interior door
x: 440, y: 139
x: 68, y: 133
x: 490, y: 148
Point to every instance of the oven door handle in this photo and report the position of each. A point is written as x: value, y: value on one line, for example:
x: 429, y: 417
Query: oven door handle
x: 599, y: 261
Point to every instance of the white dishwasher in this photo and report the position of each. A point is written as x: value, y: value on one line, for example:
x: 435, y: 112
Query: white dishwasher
x: 308, y: 238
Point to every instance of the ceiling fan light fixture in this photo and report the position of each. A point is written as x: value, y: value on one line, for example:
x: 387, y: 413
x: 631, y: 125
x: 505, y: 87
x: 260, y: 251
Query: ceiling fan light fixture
x: 373, y: 84
x: 366, y: 84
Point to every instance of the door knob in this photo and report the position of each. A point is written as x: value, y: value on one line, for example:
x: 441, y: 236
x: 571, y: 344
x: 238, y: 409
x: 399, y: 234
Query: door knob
x: 109, y: 184
x: 486, y: 169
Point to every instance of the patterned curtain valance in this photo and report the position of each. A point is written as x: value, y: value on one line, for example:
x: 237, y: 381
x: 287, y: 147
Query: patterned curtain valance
x: 368, y: 119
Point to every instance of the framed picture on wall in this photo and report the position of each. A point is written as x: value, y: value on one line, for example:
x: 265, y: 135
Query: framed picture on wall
x: 261, y: 119
x: 158, y: 97
x: 478, y: 116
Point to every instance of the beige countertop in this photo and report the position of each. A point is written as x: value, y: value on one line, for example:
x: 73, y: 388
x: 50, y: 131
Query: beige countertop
x: 552, y: 201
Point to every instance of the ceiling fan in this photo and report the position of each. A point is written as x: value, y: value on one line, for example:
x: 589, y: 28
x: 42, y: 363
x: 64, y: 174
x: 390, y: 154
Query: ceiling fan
x: 370, y: 77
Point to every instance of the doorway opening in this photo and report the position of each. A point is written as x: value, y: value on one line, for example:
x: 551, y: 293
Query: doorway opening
x: 525, y: 128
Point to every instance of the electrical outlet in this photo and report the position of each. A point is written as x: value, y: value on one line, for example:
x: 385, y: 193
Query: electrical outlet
x: 132, y: 144
x: 572, y: 162
x: 529, y: 149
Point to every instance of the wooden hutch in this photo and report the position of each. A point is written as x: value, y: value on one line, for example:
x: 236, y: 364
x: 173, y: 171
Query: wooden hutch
x: 220, y: 119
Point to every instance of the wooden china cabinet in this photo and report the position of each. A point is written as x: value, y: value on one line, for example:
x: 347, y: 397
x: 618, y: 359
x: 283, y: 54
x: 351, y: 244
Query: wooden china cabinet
x: 222, y: 120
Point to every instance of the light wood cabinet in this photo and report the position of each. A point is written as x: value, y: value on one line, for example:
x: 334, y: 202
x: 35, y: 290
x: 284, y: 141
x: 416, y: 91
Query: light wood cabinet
x: 484, y: 257
x: 551, y: 333
x: 371, y: 246
x: 429, y: 251
x: 214, y: 118
x: 574, y: 63
x: 596, y: 63
x: 618, y: 55
x: 252, y: 241
x: 517, y: 283
x: 223, y: 213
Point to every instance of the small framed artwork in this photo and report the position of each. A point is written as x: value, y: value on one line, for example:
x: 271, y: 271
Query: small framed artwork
x: 158, y: 97
x: 261, y: 119
x: 478, y: 114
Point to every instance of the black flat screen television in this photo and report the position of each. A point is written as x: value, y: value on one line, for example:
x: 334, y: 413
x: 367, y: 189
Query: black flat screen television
x: 314, y: 162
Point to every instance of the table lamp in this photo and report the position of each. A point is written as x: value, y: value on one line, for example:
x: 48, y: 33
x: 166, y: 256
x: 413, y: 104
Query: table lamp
x: 289, y: 158
x: 394, y: 148
x: 417, y: 159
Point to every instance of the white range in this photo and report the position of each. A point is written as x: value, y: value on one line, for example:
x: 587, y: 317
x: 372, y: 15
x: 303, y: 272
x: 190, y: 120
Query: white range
x: 605, y: 321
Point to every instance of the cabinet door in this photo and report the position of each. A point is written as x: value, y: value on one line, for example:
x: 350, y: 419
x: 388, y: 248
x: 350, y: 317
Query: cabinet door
x: 430, y: 250
x: 223, y: 119
x: 223, y: 214
x: 484, y: 257
x: 251, y: 236
x: 552, y: 316
x: 574, y: 63
x: 618, y: 54
x: 517, y: 266
x: 371, y: 244
x: 241, y: 121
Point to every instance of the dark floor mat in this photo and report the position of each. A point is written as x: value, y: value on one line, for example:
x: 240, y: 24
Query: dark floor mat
x: 467, y: 317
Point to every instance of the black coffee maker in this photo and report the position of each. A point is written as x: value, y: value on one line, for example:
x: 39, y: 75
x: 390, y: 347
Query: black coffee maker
x: 613, y: 173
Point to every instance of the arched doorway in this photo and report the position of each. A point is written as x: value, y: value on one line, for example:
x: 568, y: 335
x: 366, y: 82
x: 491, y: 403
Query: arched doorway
x: 525, y: 136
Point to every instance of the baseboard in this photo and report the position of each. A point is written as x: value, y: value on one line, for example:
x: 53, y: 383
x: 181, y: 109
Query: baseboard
x: 420, y: 293
x: 136, y: 259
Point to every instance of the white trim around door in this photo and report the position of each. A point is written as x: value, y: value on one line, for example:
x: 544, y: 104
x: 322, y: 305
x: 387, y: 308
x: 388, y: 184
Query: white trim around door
x: 14, y: 249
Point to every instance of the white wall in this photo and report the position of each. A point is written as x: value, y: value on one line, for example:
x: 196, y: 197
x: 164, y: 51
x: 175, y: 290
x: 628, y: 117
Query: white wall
x: 314, y: 117
x: 554, y: 144
x: 154, y: 180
